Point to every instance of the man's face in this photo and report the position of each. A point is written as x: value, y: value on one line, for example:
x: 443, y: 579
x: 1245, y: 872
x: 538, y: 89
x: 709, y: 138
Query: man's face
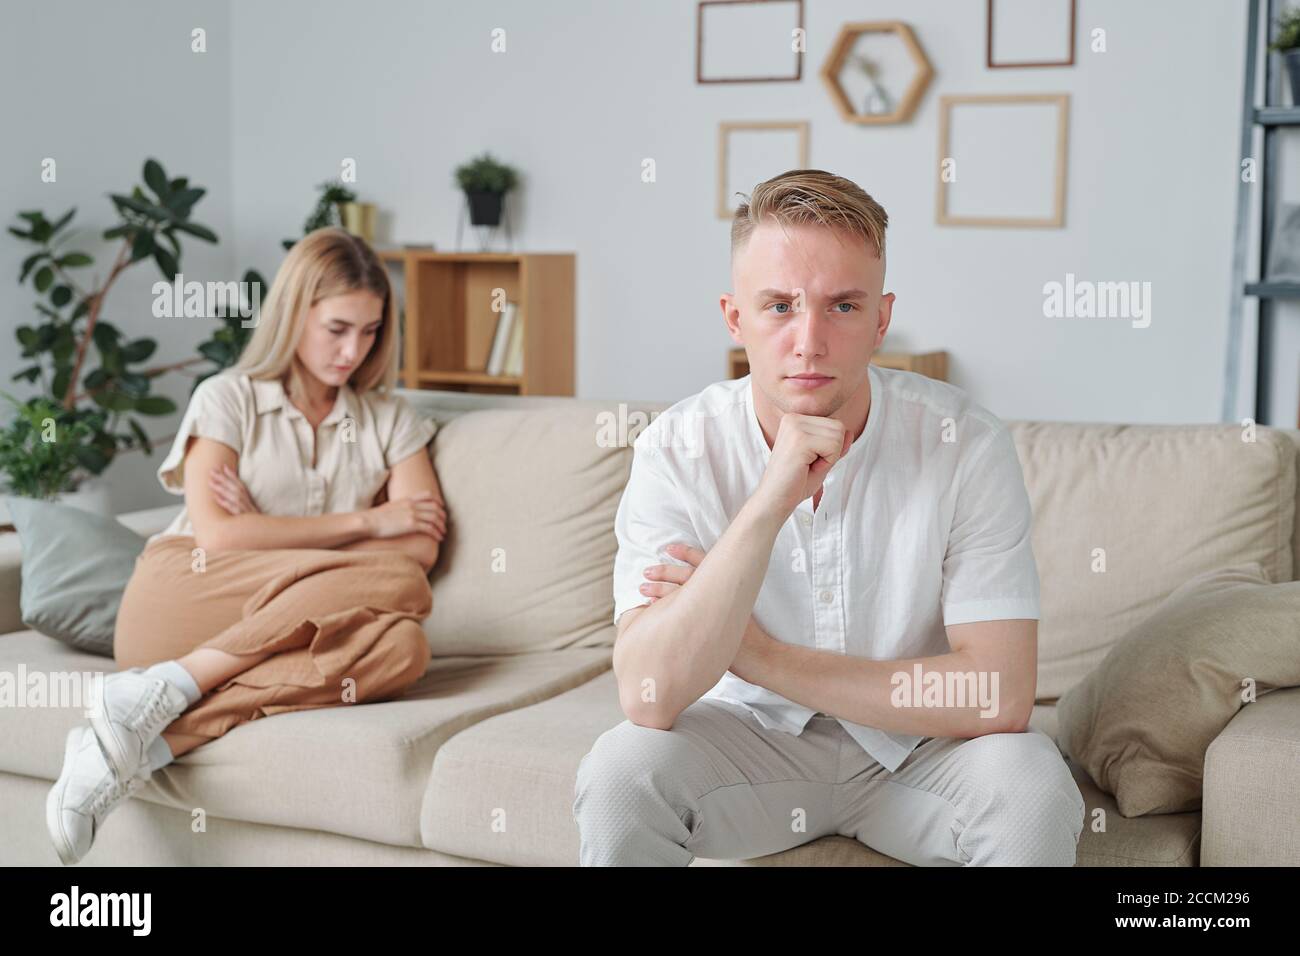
x: 807, y: 301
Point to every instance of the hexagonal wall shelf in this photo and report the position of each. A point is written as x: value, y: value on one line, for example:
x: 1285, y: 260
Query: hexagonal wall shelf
x: 839, y: 55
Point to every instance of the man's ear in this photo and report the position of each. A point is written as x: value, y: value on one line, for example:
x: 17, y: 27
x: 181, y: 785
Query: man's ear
x: 882, y: 319
x: 731, y: 316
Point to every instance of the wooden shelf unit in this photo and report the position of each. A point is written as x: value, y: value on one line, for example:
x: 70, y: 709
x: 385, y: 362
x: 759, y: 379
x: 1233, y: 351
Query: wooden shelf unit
x: 930, y: 364
x: 449, y: 322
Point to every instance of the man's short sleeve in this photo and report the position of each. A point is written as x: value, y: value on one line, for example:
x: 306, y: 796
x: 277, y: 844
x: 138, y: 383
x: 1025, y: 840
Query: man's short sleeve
x: 989, y: 573
x: 651, y: 515
x: 216, y: 411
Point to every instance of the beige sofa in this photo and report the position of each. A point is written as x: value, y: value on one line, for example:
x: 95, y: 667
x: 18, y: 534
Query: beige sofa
x: 476, y: 764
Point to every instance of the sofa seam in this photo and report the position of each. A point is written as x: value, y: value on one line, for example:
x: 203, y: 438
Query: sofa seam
x: 1281, y: 503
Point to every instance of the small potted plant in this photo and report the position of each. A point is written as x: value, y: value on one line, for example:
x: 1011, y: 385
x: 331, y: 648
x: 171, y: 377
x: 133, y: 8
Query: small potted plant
x: 1287, y: 43
x: 485, y: 183
x: 329, y: 210
x: 877, y: 101
x: 35, y: 465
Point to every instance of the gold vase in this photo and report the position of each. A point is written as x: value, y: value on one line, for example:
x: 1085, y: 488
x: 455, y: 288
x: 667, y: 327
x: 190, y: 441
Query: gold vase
x: 359, y: 219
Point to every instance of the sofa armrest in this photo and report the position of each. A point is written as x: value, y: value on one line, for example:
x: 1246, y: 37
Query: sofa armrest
x: 1250, y: 813
x: 11, y: 559
x: 151, y: 520
x: 143, y: 523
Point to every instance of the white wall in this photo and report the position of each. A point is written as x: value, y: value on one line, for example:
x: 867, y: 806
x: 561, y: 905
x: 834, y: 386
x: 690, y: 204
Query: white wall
x: 99, y: 91
x: 585, y: 91
x: 411, y: 89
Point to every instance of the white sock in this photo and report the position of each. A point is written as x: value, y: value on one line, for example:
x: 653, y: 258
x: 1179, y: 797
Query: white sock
x: 160, y: 755
x: 178, y: 677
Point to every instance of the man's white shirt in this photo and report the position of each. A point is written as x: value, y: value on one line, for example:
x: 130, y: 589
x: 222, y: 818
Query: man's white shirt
x: 925, y: 522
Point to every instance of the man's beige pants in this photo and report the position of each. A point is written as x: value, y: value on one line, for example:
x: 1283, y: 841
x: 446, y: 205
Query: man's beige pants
x: 719, y: 785
x: 342, y: 627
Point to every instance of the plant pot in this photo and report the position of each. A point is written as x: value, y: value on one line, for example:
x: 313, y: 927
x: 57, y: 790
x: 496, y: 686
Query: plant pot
x: 359, y: 219
x: 1292, y: 60
x: 91, y: 495
x: 485, y: 208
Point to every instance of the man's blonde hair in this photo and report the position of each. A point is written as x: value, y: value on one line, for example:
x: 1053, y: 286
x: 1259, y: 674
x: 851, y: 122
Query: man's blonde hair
x: 324, y: 263
x: 803, y: 196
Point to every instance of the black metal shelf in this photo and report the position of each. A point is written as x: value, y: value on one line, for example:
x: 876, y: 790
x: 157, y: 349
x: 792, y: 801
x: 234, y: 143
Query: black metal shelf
x: 1266, y: 120
x: 1278, y: 116
x: 1274, y: 290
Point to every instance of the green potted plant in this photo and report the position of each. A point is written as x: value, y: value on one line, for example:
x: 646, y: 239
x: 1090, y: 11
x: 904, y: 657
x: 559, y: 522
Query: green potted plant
x: 328, y: 210
x: 485, y: 183
x: 91, y: 385
x: 36, y: 465
x: 1287, y: 42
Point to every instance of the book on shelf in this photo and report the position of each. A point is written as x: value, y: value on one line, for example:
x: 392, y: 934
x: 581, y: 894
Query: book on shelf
x: 501, y: 339
x: 514, y: 364
x: 480, y: 337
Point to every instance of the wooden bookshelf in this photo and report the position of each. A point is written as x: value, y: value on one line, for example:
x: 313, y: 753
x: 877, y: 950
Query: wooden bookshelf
x: 449, y: 320
x: 931, y: 364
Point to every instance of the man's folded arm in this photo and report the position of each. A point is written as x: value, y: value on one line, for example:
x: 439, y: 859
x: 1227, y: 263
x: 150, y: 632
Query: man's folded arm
x: 986, y: 683
x: 667, y: 655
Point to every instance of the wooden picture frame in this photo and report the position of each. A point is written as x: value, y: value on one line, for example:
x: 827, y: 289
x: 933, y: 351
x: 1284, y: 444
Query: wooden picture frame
x: 699, y: 43
x: 1054, y: 219
x: 843, y: 46
x: 725, y: 129
x: 988, y: 41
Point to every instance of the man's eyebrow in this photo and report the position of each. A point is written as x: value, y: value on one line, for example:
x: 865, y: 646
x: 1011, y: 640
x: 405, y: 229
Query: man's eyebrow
x: 845, y: 294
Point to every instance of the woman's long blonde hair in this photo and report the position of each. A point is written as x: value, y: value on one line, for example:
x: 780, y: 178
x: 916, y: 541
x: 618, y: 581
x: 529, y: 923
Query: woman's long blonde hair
x: 325, y: 263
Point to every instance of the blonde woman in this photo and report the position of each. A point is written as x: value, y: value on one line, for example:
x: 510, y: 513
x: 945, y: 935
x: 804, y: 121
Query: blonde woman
x: 296, y: 576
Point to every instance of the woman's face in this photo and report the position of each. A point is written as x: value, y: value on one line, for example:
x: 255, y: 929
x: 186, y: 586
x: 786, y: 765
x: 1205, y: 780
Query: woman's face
x: 340, y: 332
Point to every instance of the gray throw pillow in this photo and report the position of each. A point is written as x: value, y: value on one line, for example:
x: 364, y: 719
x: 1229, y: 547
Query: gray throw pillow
x: 75, y: 568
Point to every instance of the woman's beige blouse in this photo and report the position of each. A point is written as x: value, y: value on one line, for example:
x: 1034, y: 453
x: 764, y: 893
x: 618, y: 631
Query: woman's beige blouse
x: 357, y: 444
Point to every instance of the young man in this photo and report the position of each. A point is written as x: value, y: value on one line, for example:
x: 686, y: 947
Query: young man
x: 849, y: 642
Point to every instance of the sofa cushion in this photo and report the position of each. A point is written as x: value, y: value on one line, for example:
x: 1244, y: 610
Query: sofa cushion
x: 502, y: 791
x: 528, y: 560
x: 149, y: 834
x: 358, y: 771
x: 1160, y: 504
x: 1142, y: 721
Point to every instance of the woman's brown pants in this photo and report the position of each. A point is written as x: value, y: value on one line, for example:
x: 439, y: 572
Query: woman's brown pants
x: 341, y: 627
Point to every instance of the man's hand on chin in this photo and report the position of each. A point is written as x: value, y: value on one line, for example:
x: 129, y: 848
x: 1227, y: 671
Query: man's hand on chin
x: 757, y: 650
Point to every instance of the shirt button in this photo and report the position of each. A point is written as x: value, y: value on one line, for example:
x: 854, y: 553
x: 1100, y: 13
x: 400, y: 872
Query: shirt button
x: 805, y: 520
x: 827, y: 597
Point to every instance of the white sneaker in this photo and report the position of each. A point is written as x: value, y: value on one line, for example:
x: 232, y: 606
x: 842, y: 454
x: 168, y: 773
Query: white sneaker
x: 133, y: 711
x: 85, y: 793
